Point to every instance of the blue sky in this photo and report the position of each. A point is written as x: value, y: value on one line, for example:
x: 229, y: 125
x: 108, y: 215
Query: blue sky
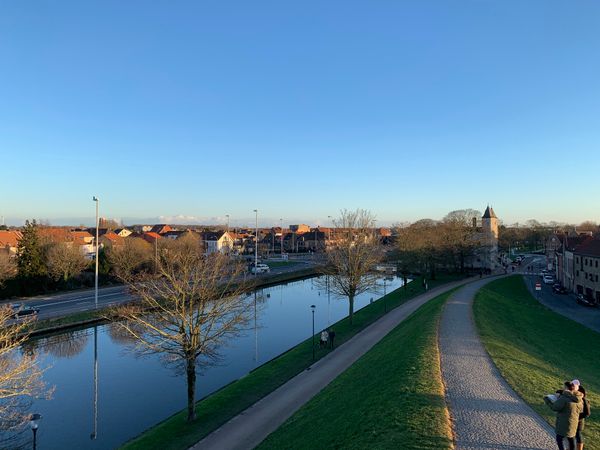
x: 201, y: 109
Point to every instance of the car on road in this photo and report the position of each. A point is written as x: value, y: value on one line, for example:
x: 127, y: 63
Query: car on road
x: 585, y: 301
x: 259, y: 268
x: 548, y: 279
x: 19, y: 311
x: 558, y: 289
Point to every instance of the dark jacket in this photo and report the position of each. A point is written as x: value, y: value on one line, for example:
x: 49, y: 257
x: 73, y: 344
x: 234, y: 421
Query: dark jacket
x: 568, y: 406
x: 587, y: 410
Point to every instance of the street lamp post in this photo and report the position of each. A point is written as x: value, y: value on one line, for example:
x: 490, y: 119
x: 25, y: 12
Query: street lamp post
x: 256, y: 243
x: 227, y: 215
x: 329, y: 217
x: 312, y: 307
x: 281, y: 226
x: 384, y: 295
x: 96, y: 257
x: 33, y: 423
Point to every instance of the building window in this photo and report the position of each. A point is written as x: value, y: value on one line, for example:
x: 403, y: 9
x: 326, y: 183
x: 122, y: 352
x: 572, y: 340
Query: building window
x: 596, y: 263
x: 577, y: 273
x: 585, y: 262
x: 577, y: 259
x: 596, y: 277
x: 586, y: 276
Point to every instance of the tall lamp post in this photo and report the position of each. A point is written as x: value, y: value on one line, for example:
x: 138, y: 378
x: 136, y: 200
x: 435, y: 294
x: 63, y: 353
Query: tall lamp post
x: 96, y: 257
x: 329, y: 217
x: 281, y: 226
x: 227, y: 215
x: 256, y: 243
x: 312, y: 307
x: 33, y: 423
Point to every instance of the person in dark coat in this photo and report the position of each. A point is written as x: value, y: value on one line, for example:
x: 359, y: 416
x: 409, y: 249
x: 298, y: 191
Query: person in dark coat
x: 568, y: 405
x: 585, y: 413
x: 331, y: 337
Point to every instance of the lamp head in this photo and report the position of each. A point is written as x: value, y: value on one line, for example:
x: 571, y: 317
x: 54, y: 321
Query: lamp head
x: 94, y: 198
x: 34, y: 421
x: 312, y: 307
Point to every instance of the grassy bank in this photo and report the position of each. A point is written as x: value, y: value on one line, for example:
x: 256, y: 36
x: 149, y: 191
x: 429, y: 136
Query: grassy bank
x: 536, y: 349
x: 392, y: 397
x: 213, y: 411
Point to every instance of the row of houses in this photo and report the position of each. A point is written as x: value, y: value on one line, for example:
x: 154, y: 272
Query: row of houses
x: 296, y: 239
x: 575, y: 259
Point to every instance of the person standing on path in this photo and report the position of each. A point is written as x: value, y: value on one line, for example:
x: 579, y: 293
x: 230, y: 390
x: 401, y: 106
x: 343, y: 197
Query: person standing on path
x: 324, y: 339
x: 568, y: 406
x: 585, y: 413
x: 331, y: 337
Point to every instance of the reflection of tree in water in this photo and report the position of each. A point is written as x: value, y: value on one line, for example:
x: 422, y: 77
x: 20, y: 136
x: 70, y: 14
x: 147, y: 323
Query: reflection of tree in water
x: 120, y: 335
x: 65, y: 345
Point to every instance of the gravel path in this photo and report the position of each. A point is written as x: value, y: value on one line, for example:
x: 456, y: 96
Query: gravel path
x: 253, y: 425
x: 486, y: 412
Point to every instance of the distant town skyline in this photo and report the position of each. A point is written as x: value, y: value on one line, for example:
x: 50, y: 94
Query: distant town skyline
x: 408, y: 109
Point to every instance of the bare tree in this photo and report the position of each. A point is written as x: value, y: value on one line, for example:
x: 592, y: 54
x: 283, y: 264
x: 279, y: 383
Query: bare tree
x: 188, y: 310
x: 351, y: 259
x: 134, y: 256
x: 8, y: 268
x: 20, y: 375
x: 65, y: 261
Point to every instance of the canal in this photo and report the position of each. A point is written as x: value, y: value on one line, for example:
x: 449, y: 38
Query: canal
x: 105, y: 394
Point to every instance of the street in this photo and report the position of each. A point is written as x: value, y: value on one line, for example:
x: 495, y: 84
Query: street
x: 564, y: 304
x: 63, y: 304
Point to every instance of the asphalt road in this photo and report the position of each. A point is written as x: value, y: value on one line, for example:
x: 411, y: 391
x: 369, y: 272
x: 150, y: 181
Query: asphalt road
x: 57, y: 305
x: 565, y: 304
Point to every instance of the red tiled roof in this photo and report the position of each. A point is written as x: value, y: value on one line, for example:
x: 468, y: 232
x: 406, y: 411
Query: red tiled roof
x: 10, y: 238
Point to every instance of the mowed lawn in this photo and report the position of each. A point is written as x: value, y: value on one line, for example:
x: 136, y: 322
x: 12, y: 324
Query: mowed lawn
x: 536, y: 349
x: 391, y: 398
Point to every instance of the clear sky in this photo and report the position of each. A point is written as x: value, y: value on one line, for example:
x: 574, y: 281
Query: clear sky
x: 205, y: 108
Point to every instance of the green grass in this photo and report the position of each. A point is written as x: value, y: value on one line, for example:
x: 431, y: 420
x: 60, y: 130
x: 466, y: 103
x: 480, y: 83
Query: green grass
x: 41, y: 326
x: 536, y: 349
x: 218, y: 408
x: 392, y: 397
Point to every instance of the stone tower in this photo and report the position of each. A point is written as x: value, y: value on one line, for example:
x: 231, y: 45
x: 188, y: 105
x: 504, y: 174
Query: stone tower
x: 489, y: 224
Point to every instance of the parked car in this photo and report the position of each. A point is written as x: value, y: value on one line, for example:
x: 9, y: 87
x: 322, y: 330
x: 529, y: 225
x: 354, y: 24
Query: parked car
x: 548, y: 279
x: 558, y: 289
x: 585, y: 301
x: 20, y: 310
x: 260, y: 268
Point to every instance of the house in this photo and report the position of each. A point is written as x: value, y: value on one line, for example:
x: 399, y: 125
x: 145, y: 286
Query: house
x: 111, y: 240
x: 151, y: 237
x: 587, y: 269
x: 175, y: 234
x: 85, y: 242
x: 123, y: 232
x: 565, y: 260
x: 161, y: 229
x: 9, y: 241
x: 217, y: 241
x: 299, y: 229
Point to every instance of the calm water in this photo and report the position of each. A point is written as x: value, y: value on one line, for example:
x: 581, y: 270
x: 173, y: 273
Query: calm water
x: 135, y: 393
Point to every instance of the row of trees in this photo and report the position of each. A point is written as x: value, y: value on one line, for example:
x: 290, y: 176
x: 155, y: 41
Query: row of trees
x: 426, y: 245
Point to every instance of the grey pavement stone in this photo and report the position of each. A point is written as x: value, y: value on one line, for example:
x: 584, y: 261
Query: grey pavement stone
x: 486, y: 412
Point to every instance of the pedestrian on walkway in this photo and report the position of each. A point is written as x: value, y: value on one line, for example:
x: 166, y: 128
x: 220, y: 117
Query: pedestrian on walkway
x: 331, y: 337
x: 568, y: 406
x: 324, y: 339
x: 585, y: 413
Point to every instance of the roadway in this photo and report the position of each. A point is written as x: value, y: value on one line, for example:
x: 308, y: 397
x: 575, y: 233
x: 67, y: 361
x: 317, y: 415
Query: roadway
x: 564, y: 304
x: 63, y: 304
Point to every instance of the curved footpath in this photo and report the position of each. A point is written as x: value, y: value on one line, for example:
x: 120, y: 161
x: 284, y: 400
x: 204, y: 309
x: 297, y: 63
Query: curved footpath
x: 486, y: 412
x: 252, y: 426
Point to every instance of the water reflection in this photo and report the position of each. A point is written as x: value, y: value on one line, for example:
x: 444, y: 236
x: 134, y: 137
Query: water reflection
x: 100, y: 406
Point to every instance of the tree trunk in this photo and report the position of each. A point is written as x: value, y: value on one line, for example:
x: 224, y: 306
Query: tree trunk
x: 351, y: 307
x: 191, y: 389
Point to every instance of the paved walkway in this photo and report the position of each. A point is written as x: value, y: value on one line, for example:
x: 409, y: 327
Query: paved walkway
x: 253, y: 425
x: 486, y: 412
